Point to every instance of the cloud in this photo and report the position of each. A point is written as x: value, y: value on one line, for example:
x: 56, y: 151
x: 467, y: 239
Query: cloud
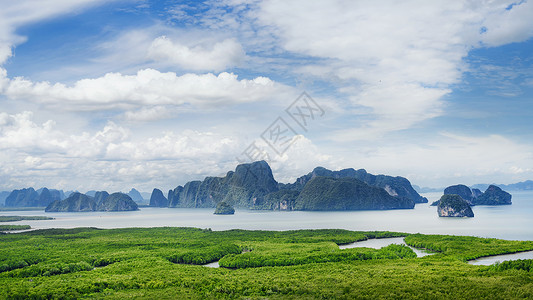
x: 390, y: 55
x: 114, y: 157
x: 449, y: 158
x: 148, y: 87
x: 507, y: 22
x: 220, y: 56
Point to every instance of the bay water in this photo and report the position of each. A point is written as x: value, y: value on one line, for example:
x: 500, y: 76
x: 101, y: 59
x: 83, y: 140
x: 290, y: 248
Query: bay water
x: 512, y: 222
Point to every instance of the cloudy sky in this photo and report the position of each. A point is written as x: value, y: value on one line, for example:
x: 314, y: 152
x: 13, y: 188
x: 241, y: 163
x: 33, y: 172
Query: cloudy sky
x: 119, y: 94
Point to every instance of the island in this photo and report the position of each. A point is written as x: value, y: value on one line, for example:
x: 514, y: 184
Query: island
x: 252, y: 186
x: 454, y: 206
x: 78, y: 202
x: 492, y: 196
x: 224, y: 209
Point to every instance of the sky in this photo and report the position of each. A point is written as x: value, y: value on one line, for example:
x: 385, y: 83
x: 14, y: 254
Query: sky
x: 110, y: 95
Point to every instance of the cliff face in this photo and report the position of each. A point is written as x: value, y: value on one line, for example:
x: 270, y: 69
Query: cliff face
x: 117, y: 202
x: 253, y: 186
x: 326, y: 193
x: 157, y: 199
x: 76, y: 202
x: 494, y: 196
x: 243, y: 188
x: 48, y: 196
x: 395, y: 186
x: 462, y: 190
x: 454, y: 206
x: 23, y: 198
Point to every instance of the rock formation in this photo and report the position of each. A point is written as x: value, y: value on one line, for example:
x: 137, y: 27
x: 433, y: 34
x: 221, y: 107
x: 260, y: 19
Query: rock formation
x: 23, y: 198
x: 224, y: 209
x: 158, y: 199
x: 494, y: 196
x: 327, y: 193
x: 78, y: 202
x: 454, y: 206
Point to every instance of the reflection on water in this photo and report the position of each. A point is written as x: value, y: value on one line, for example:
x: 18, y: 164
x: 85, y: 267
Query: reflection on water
x: 487, y: 261
x: 512, y: 222
x: 380, y: 243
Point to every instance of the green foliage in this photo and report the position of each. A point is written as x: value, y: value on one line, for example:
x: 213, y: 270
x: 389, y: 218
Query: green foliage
x: 14, y: 227
x: 224, y: 208
x: 326, y: 193
x: 466, y: 248
x: 135, y: 263
x: 20, y: 218
x: 520, y: 264
x: 299, y: 254
x: 204, y: 254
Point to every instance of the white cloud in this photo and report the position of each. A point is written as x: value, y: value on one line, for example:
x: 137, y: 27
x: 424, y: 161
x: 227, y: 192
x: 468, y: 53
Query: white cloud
x: 220, y: 56
x: 508, y: 22
x: 110, y: 157
x: 449, y: 159
x: 147, y: 87
x: 396, y: 58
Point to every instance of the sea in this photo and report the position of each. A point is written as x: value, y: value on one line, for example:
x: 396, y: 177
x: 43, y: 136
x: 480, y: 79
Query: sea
x: 512, y: 222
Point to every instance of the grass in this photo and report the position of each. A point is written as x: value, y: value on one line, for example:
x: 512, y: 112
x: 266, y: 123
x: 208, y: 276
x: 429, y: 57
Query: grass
x: 162, y: 263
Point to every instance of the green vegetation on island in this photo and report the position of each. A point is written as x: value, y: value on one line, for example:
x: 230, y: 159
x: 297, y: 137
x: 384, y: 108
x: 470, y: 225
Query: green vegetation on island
x: 224, y: 209
x: 327, y: 193
x: 162, y: 263
x: 454, y: 206
x: 492, y: 196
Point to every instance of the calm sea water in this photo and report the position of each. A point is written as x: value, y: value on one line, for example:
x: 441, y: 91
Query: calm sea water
x: 514, y: 222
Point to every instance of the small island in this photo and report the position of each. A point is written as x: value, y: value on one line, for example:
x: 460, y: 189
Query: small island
x: 494, y: 196
x: 224, y: 208
x: 454, y: 206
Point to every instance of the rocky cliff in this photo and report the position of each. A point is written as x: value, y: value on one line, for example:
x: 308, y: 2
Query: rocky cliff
x: 494, y: 196
x: 23, y: 198
x: 395, y: 186
x: 327, y: 193
x: 462, y: 190
x: 157, y: 199
x: 244, y: 187
x: 454, y: 206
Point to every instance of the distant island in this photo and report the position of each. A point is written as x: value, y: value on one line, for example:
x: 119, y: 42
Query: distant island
x: 252, y: 186
x: 102, y: 201
x: 493, y: 195
x: 31, y: 198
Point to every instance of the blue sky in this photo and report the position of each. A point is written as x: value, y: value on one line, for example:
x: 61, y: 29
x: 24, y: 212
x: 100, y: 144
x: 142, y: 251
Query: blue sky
x: 119, y: 94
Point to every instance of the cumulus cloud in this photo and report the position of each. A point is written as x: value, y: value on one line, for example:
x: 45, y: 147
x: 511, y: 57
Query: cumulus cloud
x: 148, y: 87
x: 114, y: 157
x: 450, y: 158
x: 390, y: 55
x: 220, y: 56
